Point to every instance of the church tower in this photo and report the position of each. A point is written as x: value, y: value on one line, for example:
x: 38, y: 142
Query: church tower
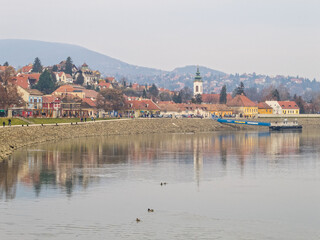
x: 197, y: 84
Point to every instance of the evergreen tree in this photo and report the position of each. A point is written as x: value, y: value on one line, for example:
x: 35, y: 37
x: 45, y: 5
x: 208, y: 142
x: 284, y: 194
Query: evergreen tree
x: 80, y: 79
x: 6, y: 64
x: 37, y: 67
x: 54, y: 68
x: 69, y: 66
x: 154, y: 91
x: 239, y: 90
x: 144, y: 94
x: 177, y: 98
x: 46, y: 83
x: 223, y: 95
x: 275, y: 95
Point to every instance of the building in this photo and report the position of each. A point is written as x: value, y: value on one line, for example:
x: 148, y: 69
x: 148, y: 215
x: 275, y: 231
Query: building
x: 197, y: 84
x: 33, y: 99
x: 264, y: 108
x: 243, y: 106
x: 141, y: 108
x: 275, y: 106
x: 289, y: 107
x: 51, y: 106
x: 220, y: 110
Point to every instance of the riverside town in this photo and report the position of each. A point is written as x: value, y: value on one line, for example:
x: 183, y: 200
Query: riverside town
x: 66, y: 91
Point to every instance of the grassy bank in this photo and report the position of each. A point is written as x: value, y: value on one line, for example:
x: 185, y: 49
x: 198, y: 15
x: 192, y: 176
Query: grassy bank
x: 14, y: 121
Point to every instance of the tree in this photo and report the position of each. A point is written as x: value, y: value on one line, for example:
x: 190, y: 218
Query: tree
x: 54, y: 68
x: 80, y: 79
x: 239, y: 90
x: 275, y: 95
x: 299, y: 101
x: 6, y: 64
x: 144, y: 93
x: 110, y: 99
x: 223, y: 95
x: 9, y: 95
x: 69, y: 66
x: 177, y: 98
x: 45, y: 83
x: 197, y: 99
x: 185, y: 94
x: 37, y: 67
x: 153, y: 91
x: 165, y: 96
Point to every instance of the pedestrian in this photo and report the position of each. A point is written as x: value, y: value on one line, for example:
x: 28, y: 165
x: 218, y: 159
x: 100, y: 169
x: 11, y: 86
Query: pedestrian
x: 92, y: 118
x: 9, y: 122
x: 85, y: 119
x: 4, y: 123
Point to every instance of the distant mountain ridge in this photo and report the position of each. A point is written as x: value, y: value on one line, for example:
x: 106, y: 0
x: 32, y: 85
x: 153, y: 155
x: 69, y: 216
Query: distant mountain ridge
x: 191, y: 69
x: 20, y: 52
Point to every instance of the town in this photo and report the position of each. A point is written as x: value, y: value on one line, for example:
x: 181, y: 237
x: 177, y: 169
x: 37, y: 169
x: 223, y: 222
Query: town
x: 67, y: 91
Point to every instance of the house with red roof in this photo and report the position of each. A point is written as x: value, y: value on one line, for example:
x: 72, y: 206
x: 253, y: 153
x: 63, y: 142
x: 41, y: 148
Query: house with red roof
x: 243, y: 106
x: 27, y: 69
x: 104, y: 85
x: 289, y: 107
x: 141, y: 108
x: 264, y: 108
x: 284, y: 107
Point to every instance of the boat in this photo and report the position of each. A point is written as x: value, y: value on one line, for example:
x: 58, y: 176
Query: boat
x: 285, y: 125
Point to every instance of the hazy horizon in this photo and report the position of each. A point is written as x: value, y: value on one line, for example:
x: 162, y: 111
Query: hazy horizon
x: 267, y: 37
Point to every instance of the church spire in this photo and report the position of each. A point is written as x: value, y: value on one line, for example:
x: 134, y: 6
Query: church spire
x: 198, y: 78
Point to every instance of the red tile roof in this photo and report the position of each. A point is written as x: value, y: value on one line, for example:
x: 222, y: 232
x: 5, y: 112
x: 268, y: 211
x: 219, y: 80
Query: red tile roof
x: 263, y: 105
x: 89, y: 102
x: 143, y: 104
x: 22, y: 81
x: 214, y: 98
x: 241, y: 101
x: 50, y: 99
x: 288, y: 105
x: 27, y: 69
x: 104, y: 84
x: 69, y: 88
x: 90, y: 93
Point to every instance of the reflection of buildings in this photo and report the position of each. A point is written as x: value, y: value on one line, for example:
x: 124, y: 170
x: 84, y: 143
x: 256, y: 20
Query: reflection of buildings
x: 197, y: 158
x: 79, y: 162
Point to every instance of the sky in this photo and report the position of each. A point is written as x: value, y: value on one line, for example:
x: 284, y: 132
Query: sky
x: 234, y: 36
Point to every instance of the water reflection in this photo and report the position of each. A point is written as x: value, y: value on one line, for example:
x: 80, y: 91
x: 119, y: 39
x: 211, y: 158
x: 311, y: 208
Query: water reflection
x: 77, y: 163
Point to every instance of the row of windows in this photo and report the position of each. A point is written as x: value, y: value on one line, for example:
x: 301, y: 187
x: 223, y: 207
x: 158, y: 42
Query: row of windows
x: 35, y: 99
x: 290, y: 111
x: 250, y: 110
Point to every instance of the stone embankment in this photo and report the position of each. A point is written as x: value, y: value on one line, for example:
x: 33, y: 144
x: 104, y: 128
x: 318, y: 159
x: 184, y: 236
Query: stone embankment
x: 12, y: 138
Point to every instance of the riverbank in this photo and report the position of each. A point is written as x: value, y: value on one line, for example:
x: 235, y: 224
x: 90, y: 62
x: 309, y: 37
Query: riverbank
x: 12, y: 138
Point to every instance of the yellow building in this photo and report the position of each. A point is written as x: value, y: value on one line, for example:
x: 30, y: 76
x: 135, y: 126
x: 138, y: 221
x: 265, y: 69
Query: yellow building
x: 219, y: 109
x: 243, y: 106
x: 264, y: 108
x: 289, y: 107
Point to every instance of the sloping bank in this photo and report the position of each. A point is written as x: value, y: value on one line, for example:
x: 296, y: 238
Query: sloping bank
x: 17, y: 137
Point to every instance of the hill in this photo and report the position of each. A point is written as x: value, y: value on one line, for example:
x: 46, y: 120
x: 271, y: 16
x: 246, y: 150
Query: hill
x: 190, y: 69
x: 20, y: 52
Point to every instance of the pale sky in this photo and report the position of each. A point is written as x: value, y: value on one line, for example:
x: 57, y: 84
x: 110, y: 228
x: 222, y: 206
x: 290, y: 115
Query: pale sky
x: 235, y: 36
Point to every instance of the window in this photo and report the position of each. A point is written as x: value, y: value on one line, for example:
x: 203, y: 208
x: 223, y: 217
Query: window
x: 197, y: 88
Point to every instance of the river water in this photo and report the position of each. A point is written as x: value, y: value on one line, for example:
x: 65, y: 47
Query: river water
x: 222, y: 185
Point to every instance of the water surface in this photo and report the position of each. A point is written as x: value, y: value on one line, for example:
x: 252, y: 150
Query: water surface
x: 234, y: 185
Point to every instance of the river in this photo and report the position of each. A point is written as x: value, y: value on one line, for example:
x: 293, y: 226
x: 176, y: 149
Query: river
x: 221, y: 185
